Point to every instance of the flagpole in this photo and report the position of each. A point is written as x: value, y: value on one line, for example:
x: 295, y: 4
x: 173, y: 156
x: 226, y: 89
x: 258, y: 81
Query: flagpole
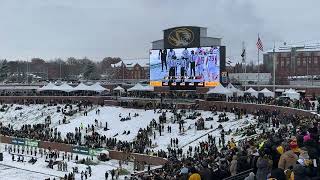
x: 274, y: 67
x: 258, y: 67
x: 244, y: 61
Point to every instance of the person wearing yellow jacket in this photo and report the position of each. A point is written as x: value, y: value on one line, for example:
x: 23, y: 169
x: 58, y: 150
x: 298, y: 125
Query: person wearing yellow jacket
x: 194, y: 174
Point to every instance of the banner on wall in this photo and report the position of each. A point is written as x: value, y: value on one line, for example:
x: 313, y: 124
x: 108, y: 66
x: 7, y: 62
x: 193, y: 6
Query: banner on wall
x: 18, y: 141
x: 31, y: 143
x: 86, y: 151
x: 80, y: 150
x: 25, y: 142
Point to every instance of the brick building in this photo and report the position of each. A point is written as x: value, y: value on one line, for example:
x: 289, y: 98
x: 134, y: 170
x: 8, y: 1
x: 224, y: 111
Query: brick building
x: 131, y: 69
x: 294, y: 62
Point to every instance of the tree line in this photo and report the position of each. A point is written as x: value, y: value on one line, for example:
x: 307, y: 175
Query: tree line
x: 71, y: 69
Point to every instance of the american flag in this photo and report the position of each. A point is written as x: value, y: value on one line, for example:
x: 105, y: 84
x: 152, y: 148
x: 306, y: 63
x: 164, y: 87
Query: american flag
x: 259, y: 44
x: 243, y: 55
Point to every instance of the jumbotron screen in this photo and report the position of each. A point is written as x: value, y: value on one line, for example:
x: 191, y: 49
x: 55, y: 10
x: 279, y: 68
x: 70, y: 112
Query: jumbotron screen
x: 185, y: 66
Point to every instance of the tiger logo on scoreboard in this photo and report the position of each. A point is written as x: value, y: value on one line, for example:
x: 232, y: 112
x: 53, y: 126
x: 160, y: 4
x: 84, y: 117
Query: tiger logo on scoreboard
x: 181, y: 37
x: 186, y: 36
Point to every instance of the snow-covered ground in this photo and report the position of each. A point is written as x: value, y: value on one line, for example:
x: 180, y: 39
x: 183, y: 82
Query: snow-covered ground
x: 37, y: 113
x: 13, y: 170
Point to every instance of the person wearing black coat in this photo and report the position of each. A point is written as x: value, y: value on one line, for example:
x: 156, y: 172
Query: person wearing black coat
x: 205, y: 172
x: 278, y: 174
x: 106, y: 175
x: 312, y: 148
x: 113, y: 173
x: 242, y: 162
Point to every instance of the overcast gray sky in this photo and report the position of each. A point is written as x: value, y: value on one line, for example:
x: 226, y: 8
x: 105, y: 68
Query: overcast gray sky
x: 98, y: 28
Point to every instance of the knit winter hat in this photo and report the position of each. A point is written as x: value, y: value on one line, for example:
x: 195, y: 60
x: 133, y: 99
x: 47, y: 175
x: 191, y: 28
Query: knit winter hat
x: 306, y: 138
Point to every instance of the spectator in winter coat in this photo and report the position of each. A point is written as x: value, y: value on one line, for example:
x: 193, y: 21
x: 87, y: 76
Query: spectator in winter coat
x: 313, y: 148
x: 299, y: 173
x: 117, y: 173
x: 233, y: 166
x: 205, y: 172
x: 242, y: 162
x: 264, y: 165
x: 277, y: 151
x: 278, y: 174
x: 289, y: 158
x: 106, y: 175
x: 112, y: 173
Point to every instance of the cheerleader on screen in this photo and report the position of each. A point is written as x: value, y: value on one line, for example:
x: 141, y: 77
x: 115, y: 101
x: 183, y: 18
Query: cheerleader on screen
x: 211, y: 66
x: 199, y: 64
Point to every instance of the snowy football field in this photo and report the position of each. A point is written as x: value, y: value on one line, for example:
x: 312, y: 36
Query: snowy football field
x: 37, y: 113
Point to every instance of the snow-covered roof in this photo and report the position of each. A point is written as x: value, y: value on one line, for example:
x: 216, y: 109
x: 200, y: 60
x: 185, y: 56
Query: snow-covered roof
x: 49, y: 87
x: 250, y: 90
x: 140, y: 87
x: 232, y: 88
x: 65, y: 87
x: 235, y: 90
x: 81, y: 87
x: 291, y: 91
x: 119, y: 88
x: 130, y: 63
x: 267, y: 92
x: 137, y: 87
x: 300, y: 47
x: 219, y: 90
x: 292, y: 94
x: 97, y: 87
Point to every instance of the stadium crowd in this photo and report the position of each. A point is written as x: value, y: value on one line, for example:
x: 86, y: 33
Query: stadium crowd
x: 287, y: 145
x: 289, y: 152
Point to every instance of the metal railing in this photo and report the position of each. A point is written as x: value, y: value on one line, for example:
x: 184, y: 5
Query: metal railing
x: 240, y: 176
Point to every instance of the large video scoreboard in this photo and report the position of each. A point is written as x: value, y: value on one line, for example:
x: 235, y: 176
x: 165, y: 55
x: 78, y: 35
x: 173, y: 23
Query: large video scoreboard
x: 187, y: 67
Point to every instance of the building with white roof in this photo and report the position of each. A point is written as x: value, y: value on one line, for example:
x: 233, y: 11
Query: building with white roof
x: 131, y: 69
x: 294, y: 60
x: 130, y: 63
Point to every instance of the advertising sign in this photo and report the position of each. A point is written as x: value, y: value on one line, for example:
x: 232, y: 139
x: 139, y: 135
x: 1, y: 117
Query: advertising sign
x: 80, y: 150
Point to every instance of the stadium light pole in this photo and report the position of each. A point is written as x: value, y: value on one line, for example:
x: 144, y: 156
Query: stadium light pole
x: 307, y: 61
x: 123, y: 73
x: 27, y: 71
x: 60, y: 70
